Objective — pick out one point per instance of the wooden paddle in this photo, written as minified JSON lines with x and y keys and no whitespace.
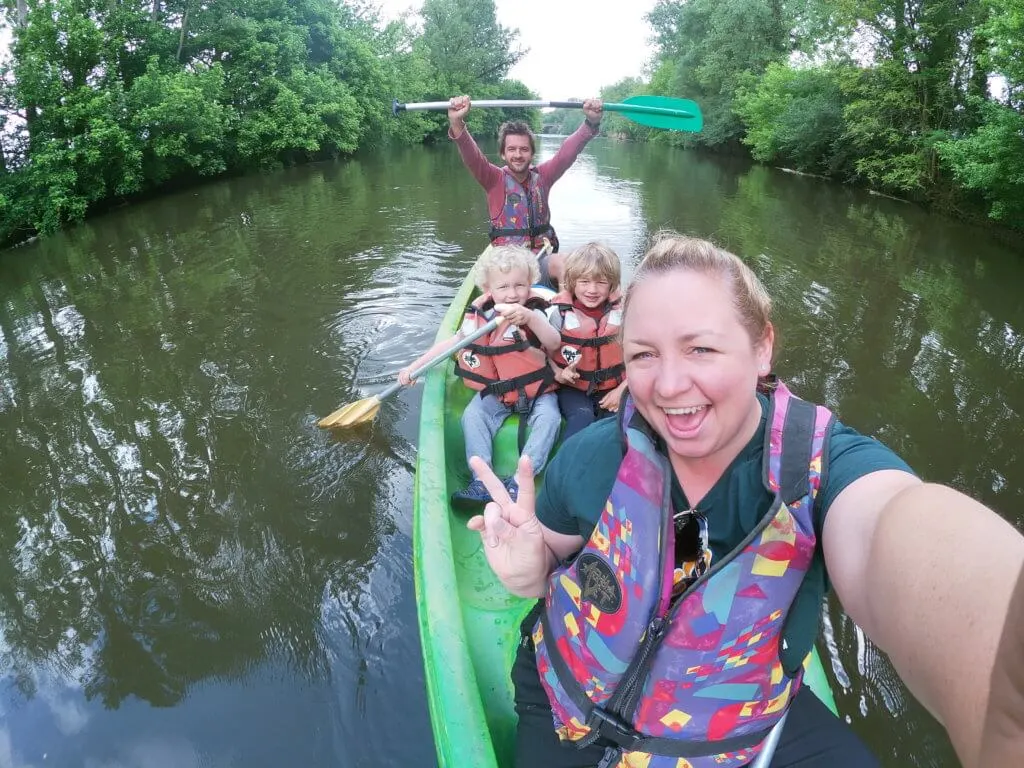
{"x":365,"y":409}
{"x":665,"y":112}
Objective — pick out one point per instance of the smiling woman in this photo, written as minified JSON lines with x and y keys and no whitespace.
{"x":787,"y":500}
{"x":691,"y":379}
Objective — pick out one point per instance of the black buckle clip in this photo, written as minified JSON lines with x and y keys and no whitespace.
{"x":523,"y":404}
{"x":611,"y":728}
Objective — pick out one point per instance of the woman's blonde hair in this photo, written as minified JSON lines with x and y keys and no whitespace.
{"x":672,"y":252}
{"x":505,"y":258}
{"x":592,"y":259}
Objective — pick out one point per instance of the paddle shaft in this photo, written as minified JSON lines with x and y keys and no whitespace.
{"x":764,"y":757}
{"x":442,"y":106}
{"x":483,"y":330}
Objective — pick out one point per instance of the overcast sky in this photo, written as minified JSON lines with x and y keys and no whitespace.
{"x":576,"y":46}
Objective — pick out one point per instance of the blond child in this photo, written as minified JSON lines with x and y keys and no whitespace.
{"x":509,"y":366}
{"x":588,"y":356}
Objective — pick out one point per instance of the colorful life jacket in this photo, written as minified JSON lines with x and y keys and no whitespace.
{"x":524,"y":219}
{"x":505,"y":363}
{"x":593,"y":343}
{"x":693,"y":681}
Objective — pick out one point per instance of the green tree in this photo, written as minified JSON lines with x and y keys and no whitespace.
{"x":110,"y":98}
{"x":704,"y":47}
{"x":184,"y":121}
{"x":1003,"y":30}
{"x":914,"y":94}
{"x":465,"y":45}
{"x":616,"y":124}
{"x":467,"y":51}
{"x":794,"y":116}
{"x":990,"y":161}
{"x":903,"y":105}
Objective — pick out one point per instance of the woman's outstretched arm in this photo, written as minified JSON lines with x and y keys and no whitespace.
{"x":928,"y":574}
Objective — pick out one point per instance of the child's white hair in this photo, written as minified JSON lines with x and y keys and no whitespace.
{"x":503,"y":259}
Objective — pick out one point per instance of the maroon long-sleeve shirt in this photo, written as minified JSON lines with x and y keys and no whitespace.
{"x":491,"y":177}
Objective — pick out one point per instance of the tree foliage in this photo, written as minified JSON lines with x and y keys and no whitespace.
{"x":795,"y":116}
{"x":111,"y":98}
{"x":990,"y":161}
{"x":706,"y":46}
{"x":106,"y":99}
{"x":919,"y":98}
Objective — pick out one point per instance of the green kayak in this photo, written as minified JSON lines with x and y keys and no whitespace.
{"x":469,"y":623}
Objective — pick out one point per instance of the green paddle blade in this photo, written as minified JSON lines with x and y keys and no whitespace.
{"x":664,"y":112}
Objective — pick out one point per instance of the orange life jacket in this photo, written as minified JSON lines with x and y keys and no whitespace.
{"x":594,"y":343}
{"x":507,"y":363}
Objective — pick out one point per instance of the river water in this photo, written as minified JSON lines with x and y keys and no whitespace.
{"x":192,"y":574}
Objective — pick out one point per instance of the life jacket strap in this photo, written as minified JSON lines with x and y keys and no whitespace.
{"x":535,"y":231}
{"x":524,"y":403}
{"x":603,"y":374}
{"x":593,"y":378}
{"x":472,"y":376}
{"x":610,"y":729}
{"x":535,"y":234}
{"x":596,"y":341}
{"x":499,"y":388}
{"x":493,"y":350}
{"x":610,"y":758}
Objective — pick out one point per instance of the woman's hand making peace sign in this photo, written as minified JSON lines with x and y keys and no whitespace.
{"x":512,"y":536}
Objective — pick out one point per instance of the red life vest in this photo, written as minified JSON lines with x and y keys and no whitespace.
{"x":594,"y":343}
{"x":524,"y":219}
{"x":506,"y":363}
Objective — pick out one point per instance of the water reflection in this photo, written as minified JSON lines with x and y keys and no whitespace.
{"x":176,"y":529}
{"x":192,"y":574}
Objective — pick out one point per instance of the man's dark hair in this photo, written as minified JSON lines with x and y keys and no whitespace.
{"x":515,"y":128}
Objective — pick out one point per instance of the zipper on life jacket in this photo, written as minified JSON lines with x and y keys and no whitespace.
{"x":628,"y":707}
{"x":629,"y":687}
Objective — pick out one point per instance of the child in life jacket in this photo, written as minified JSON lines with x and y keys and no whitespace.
{"x":508,"y":367}
{"x":588,"y":357}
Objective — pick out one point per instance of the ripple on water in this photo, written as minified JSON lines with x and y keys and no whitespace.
{"x":838,"y":669}
{"x":363,"y":639}
{"x":394,"y":316}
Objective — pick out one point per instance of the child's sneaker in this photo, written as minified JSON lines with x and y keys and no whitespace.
{"x":512,"y":487}
{"x":474,"y":494}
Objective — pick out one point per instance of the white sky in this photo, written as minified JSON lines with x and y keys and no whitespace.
{"x":576,"y":46}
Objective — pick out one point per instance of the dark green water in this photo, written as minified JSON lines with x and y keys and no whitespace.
{"x":192,"y":574}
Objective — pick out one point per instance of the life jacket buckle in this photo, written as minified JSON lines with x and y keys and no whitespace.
{"x":612,"y":728}
{"x":610,"y":758}
{"x":523,"y":404}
